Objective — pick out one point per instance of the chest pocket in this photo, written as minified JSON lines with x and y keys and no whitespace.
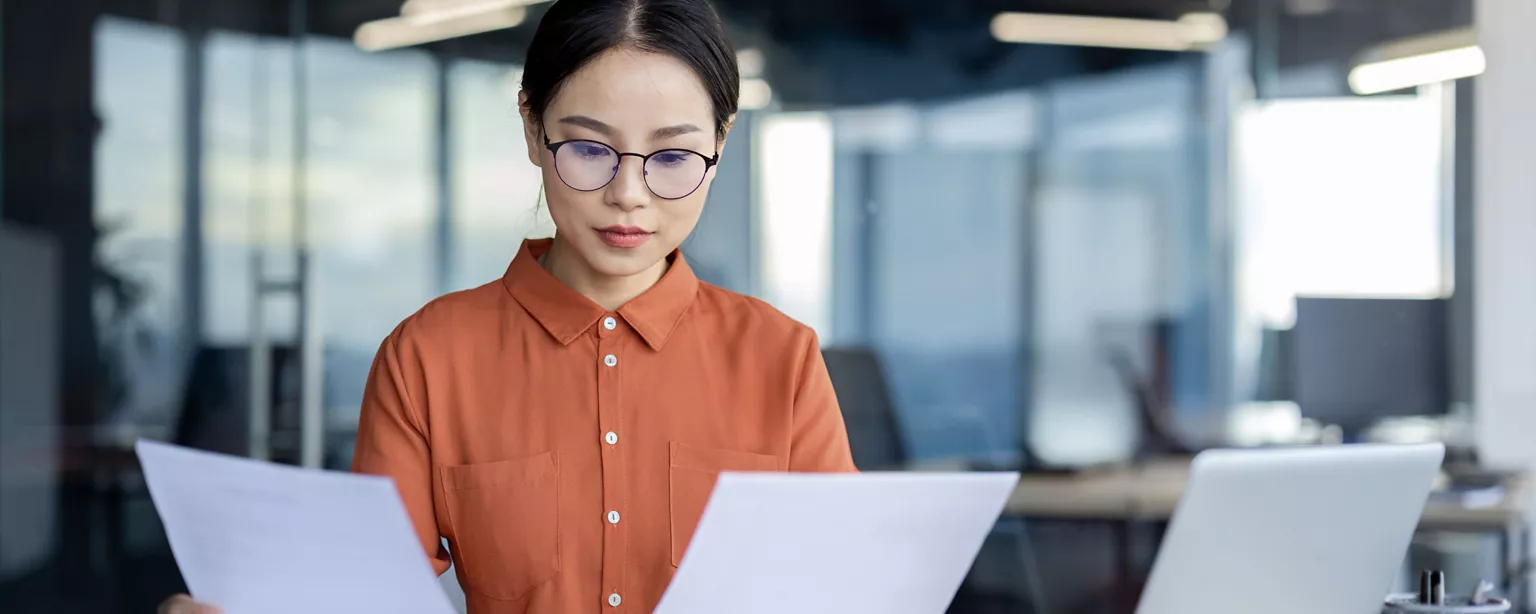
{"x":505,"y":519}
{"x":692,"y":478}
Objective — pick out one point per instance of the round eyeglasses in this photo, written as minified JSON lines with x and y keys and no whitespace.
{"x":588,"y":166}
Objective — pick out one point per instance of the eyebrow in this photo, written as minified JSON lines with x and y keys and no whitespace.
{"x":606,"y":130}
{"x":671,"y":131}
{"x":588,"y":123}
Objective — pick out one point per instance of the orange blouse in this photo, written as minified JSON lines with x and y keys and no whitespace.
{"x":565,"y":451}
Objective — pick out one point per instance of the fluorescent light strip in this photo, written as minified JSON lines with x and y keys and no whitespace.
{"x":1415,"y":70}
{"x":414,"y":8}
{"x":1192,"y":32}
{"x":457,"y":10}
{"x":434,"y":20}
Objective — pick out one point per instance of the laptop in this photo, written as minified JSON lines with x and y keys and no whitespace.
{"x":1321,"y":530}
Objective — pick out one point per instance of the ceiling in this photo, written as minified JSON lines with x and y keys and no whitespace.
{"x":789,"y":18}
{"x":860,"y":51}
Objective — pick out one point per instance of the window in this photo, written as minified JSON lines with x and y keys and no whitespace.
{"x":139,"y":189}
{"x":794,"y":157}
{"x":932,"y":229}
{"x":1340,"y":197}
{"x":1122,"y":281}
{"x":248,"y":207}
{"x":1336,"y":197}
{"x":370,"y":205}
{"x":496,"y":190}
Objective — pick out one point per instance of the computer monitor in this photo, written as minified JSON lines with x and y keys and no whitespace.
{"x":1277,"y":376}
{"x":1356,"y":361}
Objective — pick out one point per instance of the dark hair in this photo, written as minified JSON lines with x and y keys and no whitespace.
{"x":573,"y":32}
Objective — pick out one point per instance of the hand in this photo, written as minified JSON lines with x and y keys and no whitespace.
{"x":182,"y":604}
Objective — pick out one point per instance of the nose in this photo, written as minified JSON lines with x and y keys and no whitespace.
{"x":628,"y":191}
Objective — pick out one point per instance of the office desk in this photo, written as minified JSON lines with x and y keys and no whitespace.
{"x":1148,"y":493}
{"x":1152,"y":490}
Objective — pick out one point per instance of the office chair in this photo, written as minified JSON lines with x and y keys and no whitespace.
{"x":874,"y":430}
{"x":1150,"y":390}
{"x":875,"y":438}
{"x":215,"y":408}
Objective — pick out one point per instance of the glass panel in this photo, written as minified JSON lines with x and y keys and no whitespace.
{"x":139,"y":196}
{"x":248,"y":185}
{"x":248,"y":213}
{"x":496,"y":197}
{"x":950,"y":298}
{"x":931,"y":230}
{"x":1122,"y":288}
{"x":370,"y":210}
{"x":368,"y":216}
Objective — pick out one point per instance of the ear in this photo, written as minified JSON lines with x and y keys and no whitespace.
{"x":533,"y":133}
{"x":725,"y":133}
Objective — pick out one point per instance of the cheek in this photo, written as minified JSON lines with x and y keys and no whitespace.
{"x":683,"y":215}
{"x":565,"y":205}
{"x":689,"y":209}
{"x":562,"y":211}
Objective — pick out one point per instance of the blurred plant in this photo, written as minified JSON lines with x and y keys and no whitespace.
{"x":117,"y":300}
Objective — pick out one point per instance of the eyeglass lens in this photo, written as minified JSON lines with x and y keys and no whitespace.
{"x":589,"y":165}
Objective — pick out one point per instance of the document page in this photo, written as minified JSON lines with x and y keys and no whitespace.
{"x":259,"y":538}
{"x":837,"y":544}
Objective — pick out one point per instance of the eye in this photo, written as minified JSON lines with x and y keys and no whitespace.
{"x":672,"y":158}
{"x":590,"y":151}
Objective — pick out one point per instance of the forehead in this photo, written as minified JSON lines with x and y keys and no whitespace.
{"x":635,"y":92}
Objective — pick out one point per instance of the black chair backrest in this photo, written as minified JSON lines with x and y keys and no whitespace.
{"x":215,"y":408}
{"x":874,"y":429}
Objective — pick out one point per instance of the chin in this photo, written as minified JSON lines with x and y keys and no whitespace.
{"x":609,"y":262}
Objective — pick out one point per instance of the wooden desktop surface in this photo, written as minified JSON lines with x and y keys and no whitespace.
{"x":1151,"y":491}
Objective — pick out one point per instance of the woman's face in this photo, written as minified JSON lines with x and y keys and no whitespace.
{"x":633,"y":102}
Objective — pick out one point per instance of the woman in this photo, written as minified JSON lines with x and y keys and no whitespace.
{"x":562,"y":427}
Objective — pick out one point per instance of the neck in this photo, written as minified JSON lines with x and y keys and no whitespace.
{"x":609,"y":291}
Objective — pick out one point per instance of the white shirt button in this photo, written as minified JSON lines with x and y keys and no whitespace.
{"x":608,"y":323}
{"x":610,"y":360}
{"x":613,"y":517}
{"x":612,"y":438}
{"x":614,"y":600}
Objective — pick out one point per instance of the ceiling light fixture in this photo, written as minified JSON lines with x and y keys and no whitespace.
{"x":426,"y":21}
{"x":756,"y":94}
{"x":1192,"y":32}
{"x":750,"y":62}
{"x":1421,"y":60}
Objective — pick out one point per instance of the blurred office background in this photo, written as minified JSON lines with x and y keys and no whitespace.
{"x":1025,"y":243}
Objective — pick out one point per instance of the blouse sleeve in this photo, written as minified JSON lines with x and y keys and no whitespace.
{"x":820,"y":440}
{"x":392,"y":442}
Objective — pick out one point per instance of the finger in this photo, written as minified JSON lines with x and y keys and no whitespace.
{"x":179,"y":604}
{"x":183,"y":604}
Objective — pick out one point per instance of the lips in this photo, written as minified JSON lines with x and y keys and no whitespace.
{"x":624,"y":237}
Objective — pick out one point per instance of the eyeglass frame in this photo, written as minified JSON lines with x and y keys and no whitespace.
{"x":554,"y":152}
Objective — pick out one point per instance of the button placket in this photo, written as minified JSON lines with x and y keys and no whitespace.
{"x":609,"y":423}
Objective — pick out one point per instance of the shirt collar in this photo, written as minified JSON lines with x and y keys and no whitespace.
{"x":565,"y":313}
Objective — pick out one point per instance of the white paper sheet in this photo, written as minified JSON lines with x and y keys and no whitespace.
{"x":836,"y":544}
{"x":260,"y":538}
